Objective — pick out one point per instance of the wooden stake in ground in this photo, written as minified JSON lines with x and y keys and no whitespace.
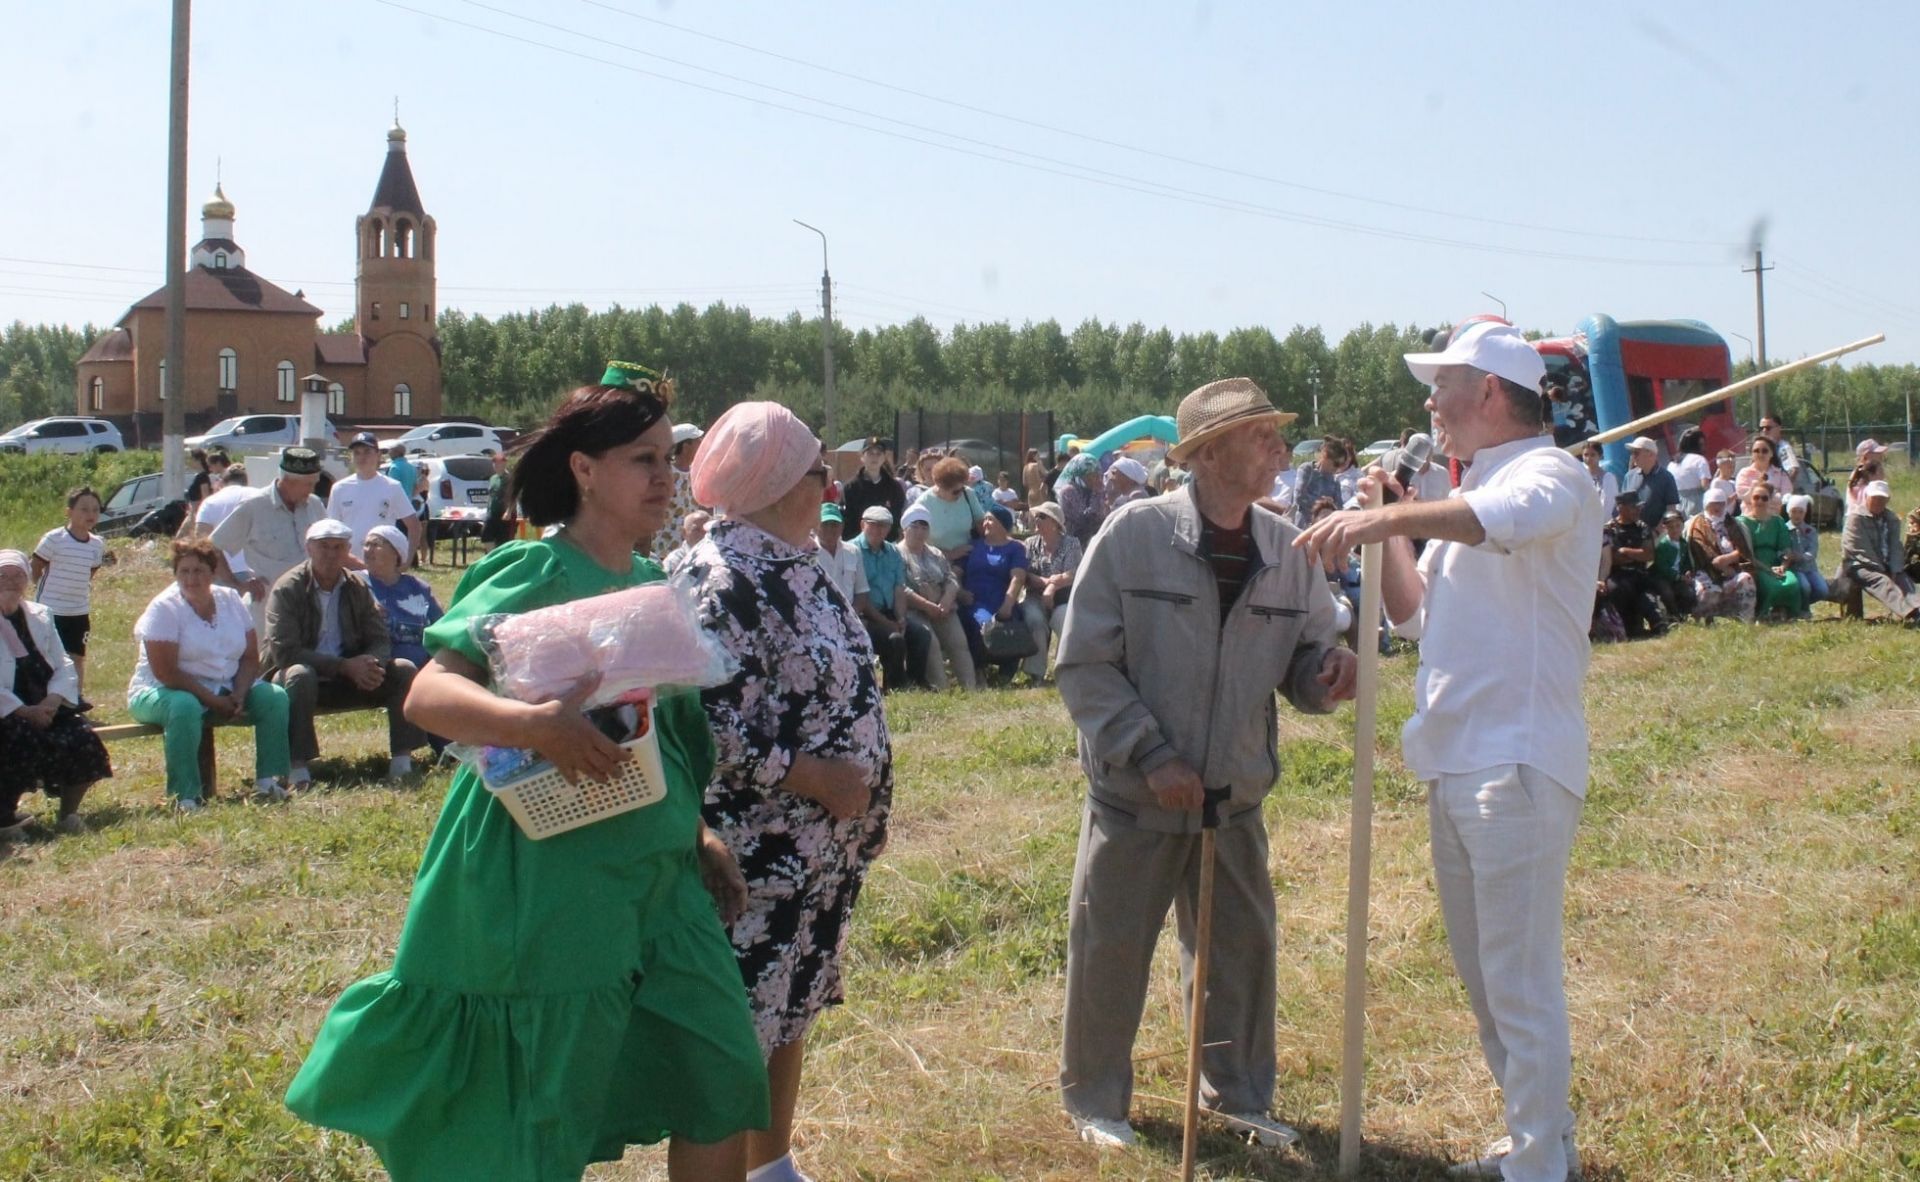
{"x":1353,"y":1061}
{"x":1197,"y":1012}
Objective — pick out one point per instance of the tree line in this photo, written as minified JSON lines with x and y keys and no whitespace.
{"x":512,"y":368}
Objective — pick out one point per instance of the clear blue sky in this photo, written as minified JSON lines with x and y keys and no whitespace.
{"x":1642,"y":143}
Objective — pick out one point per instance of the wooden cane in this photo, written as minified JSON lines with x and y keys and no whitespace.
{"x":1360,"y":865}
{"x":1666,"y":413}
{"x":1211,"y":801}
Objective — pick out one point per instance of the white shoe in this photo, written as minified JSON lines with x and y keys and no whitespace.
{"x":1487,"y":1165}
{"x":1258,"y":1127}
{"x":189,"y":805}
{"x":268,"y":792}
{"x":1104,"y":1134}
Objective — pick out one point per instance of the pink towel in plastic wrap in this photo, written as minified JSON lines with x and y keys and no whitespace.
{"x":642,"y":637}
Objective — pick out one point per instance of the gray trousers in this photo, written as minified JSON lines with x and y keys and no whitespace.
{"x":1124,"y":879}
{"x":307,"y":690}
{"x":1892,"y":590}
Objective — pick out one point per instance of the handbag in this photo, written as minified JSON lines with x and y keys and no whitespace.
{"x":1008,"y":640}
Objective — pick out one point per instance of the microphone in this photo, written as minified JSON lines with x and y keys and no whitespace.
{"x":1410,"y":459}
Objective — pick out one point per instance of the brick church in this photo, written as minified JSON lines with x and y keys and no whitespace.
{"x":249,"y":342}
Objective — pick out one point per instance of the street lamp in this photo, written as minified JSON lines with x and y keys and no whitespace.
{"x":1749,"y":340}
{"x":1496,"y":299}
{"x":826,"y":333}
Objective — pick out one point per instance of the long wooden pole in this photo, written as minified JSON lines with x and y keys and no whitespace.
{"x":1667,"y":413}
{"x":1353,"y":1062}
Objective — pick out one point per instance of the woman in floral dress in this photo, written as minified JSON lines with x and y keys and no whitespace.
{"x":803,"y":778}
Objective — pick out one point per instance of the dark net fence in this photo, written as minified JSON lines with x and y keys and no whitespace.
{"x":996,"y":442}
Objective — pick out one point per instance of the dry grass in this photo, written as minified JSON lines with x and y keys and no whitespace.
{"x":1744,"y":944}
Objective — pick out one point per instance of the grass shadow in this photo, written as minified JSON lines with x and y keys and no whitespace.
{"x":1224,"y":1155}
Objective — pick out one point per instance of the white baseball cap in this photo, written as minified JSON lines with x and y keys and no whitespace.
{"x":1869,"y":447}
{"x":1487,"y":346}
{"x":684,"y":432}
{"x":1130,"y":468}
{"x":1642,"y":443}
{"x":1717,"y":495}
{"x":1878,"y":488}
{"x":916,"y":515}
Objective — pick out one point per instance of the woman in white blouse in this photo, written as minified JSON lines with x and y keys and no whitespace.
{"x":200,"y":657}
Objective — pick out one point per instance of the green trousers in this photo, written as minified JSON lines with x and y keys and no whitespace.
{"x":181,"y":715}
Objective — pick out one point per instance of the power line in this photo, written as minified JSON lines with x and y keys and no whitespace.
{"x":1034,"y":161}
{"x":1846,"y":289}
{"x":1144,"y":151}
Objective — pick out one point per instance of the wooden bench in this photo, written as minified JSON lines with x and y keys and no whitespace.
{"x":142,"y":730}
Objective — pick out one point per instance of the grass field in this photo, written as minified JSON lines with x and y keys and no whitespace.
{"x":1743,"y":938}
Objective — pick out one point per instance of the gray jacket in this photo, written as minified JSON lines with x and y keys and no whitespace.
{"x":1149,"y":673}
{"x":1871,"y":541}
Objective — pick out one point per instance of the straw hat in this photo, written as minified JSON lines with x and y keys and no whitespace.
{"x":1219,"y":407}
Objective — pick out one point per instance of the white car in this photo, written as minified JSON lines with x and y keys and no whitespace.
{"x":256,"y":434}
{"x":76,"y":436}
{"x":457,"y":487}
{"x":451,"y":439}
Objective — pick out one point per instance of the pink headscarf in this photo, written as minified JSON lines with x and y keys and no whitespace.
{"x":751,"y":457}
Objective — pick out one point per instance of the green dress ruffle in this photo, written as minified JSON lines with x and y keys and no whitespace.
{"x":553,"y":1001}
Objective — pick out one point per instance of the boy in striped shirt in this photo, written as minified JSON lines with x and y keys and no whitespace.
{"x":63,"y":566}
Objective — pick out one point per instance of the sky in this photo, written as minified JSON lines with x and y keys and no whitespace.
{"x":1194,"y":165}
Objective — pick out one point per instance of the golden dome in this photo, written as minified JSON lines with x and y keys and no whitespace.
{"x":219,"y":207}
{"x":397,"y":134}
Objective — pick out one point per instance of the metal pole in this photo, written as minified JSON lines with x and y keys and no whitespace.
{"x":1496,"y":299}
{"x":1353,"y":1061}
{"x":826,"y":335}
{"x":1760,"y":325}
{"x":173,"y":414}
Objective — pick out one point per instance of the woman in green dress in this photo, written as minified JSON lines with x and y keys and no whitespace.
{"x":553,"y":1001}
{"x":1772,"y":552}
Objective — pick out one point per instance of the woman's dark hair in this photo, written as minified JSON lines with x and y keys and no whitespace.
{"x":198,"y":456}
{"x":199,"y":548}
{"x":1693,"y":442}
{"x":593,"y":420}
{"x":1003,"y":515}
{"x":1773,"y":453}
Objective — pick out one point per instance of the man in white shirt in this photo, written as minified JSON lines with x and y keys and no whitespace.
{"x":1500,"y":601}
{"x":366,"y":498}
{"x":219,"y":506}
{"x":270,"y":529}
{"x":842,"y":562}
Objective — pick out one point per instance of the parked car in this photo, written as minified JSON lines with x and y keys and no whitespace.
{"x":1305,"y":453}
{"x":452,"y":439}
{"x":131,"y":500}
{"x":983,"y":455}
{"x":1375,"y":450}
{"x":74,"y":436}
{"x":457,"y":483}
{"x":256,"y":434}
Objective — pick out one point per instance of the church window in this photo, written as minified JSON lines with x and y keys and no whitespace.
{"x":403,"y":400}
{"x":99,"y":389}
{"x":405,"y":310}
{"x":336,"y":399}
{"x":163,"y":379}
{"x":376,"y":310}
{"x":229,"y":370}
{"x":403,"y":240}
{"x":219,"y":260}
{"x":288,"y":386}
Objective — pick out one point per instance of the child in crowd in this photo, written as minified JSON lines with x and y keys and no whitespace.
{"x":1805,"y":563}
{"x":1723,"y":474}
{"x":64,"y":563}
{"x":1673,"y":567}
{"x":1004,"y":493}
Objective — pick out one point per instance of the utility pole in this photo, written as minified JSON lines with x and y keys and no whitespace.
{"x":1760,"y":332}
{"x":826,"y":335}
{"x":173,"y":387}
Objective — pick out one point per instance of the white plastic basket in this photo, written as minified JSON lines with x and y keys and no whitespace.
{"x":544,"y":804}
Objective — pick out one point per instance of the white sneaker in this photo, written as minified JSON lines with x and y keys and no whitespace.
{"x":1104,"y":1134}
{"x":269,"y":792}
{"x":1487,"y":1165}
{"x":189,"y":805}
{"x":1259,"y":1128}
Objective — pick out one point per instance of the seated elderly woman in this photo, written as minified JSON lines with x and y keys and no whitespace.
{"x":1723,"y":563}
{"x":1053,"y":555}
{"x":47,"y":745}
{"x":933,"y":598}
{"x":405,"y":600}
{"x":993,"y":583}
{"x":1772,"y":541}
{"x":199,"y":658}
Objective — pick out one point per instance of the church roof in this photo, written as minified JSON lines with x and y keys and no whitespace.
{"x":340,"y":348}
{"x":116,"y":344}
{"x":396,"y":190}
{"x":234,"y":289}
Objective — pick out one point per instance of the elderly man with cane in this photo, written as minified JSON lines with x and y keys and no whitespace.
{"x":1500,"y":601}
{"x":1188,"y":612}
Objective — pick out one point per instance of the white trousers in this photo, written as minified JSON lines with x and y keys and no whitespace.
{"x":1501,"y":839}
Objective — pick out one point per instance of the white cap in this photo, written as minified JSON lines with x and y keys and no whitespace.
{"x":1717,"y":495}
{"x":879,"y":513}
{"x":328,"y":527}
{"x":975,"y":473}
{"x":1130,"y":468}
{"x":394,"y":538}
{"x":1642,"y":443}
{"x":1487,"y":346}
{"x":1878,"y":488}
{"x":683,"y":432}
{"x":916,"y":514}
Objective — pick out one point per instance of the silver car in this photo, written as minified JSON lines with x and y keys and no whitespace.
{"x":73,"y":436}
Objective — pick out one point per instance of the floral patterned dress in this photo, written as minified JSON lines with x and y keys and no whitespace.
{"x":806,"y":686}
